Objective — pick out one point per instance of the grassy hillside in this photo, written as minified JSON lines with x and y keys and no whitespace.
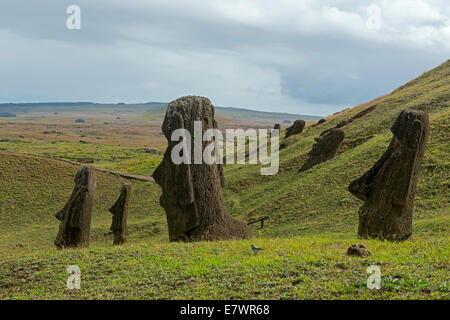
{"x":317,"y":200}
{"x":33,"y":189}
{"x":313,"y":219}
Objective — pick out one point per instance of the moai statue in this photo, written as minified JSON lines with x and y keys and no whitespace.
{"x":325,"y":148}
{"x":389,"y":187}
{"x":319,"y":123}
{"x":192,"y":193}
{"x":76,"y":215}
{"x":296,"y":128}
{"x":119,"y":211}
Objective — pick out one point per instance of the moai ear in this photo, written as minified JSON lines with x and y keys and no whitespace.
{"x":415,"y":134}
{"x":183,"y":175}
{"x":406,"y":170}
{"x":185,"y":187}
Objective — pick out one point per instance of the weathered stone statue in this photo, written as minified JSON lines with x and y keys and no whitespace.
{"x":76,"y":215}
{"x":296,"y":128}
{"x":319,"y":122}
{"x":119,"y":211}
{"x":192,"y":193}
{"x":326,"y":148}
{"x":389,"y":188}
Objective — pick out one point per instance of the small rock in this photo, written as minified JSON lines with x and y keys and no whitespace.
{"x":358,"y":250}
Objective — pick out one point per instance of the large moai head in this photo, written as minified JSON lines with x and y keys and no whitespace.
{"x":75,"y":217}
{"x":192,"y":190}
{"x":296,"y":128}
{"x":389,"y":187}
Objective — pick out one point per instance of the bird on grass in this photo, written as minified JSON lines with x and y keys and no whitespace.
{"x":256,"y":249}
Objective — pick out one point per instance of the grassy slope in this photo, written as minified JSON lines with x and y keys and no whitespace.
{"x":313,"y":221}
{"x":317,"y":200}
{"x":34,"y":189}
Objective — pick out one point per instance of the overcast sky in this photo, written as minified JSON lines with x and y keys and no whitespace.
{"x":308,"y":57}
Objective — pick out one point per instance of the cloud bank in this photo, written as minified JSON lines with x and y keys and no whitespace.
{"x":309,"y":57}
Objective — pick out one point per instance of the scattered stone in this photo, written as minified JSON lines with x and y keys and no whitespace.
{"x":120,"y":215}
{"x":319,"y":123}
{"x":389,"y":187}
{"x":192,"y":194}
{"x":148,"y":150}
{"x":326,"y":148}
{"x":76,"y":215}
{"x":287,"y":143}
{"x":86,"y":160}
{"x":356,"y":116}
{"x":358,"y":250}
{"x":296,"y":128}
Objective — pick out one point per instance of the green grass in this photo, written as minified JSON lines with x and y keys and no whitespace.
{"x":313,"y":219}
{"x":294,"y":268}
{"x":115,"y":157}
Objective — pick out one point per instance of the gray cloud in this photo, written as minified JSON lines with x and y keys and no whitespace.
{"x":296,"y":56}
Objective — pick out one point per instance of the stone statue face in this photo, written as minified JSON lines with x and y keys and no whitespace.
{"x":389,"y":187}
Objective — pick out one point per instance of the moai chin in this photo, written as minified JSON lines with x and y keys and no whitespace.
{"x":119,"y":211}
{"x":389,"y":187}
{"x":76,"y":215}
{"x":192,"y":193}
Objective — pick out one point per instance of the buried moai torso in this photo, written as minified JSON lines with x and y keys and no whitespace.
{"x":76,"y":215}
{"x":192,"y":193}
{"x":325,"y":148}
{"x":389,"y":188}
{"x":119,"y":211}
